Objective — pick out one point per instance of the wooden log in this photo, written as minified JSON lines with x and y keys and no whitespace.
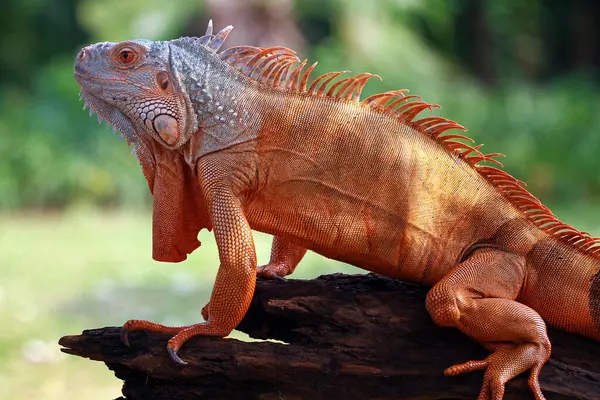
{"x":346,"y":337}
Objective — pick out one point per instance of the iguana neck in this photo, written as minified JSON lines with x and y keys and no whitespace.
{"x":222,"y":101}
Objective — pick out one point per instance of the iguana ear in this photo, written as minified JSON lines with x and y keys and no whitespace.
{"x":179,"y":210}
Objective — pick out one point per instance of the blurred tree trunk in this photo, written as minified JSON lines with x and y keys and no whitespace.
{"x":473,"y":29}
{"x":584,"y":22}
{"x":571,"y":36}
{"x":261,"y":23}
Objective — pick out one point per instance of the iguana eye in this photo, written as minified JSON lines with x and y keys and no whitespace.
{"x":126,"y":56}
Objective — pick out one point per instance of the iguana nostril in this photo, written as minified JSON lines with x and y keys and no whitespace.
{"x":82,"y":54}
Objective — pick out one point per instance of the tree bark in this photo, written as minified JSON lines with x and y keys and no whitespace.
{"x":346,"y":337}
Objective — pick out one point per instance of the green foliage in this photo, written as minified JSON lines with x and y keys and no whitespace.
{"x":116,"y":20}
{"x":549,"y":134}
{"x":53,"y":156}
{"x":32,"y":32}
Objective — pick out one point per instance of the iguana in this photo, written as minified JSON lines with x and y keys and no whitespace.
{"x":238,"y":139}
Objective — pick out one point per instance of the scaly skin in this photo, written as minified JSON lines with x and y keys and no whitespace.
{"x":237,"y":140}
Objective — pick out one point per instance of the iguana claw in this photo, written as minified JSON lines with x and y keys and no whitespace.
{"x":175,"y":357}
{"x":275,"y":276}
{"x":268,"y":274}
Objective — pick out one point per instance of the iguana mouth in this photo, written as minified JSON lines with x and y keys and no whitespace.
{"x":91,"y":94}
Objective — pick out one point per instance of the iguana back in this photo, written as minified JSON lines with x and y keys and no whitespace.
{"x":354,"y":184}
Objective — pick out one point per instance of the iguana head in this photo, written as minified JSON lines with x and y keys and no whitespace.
{"x":136,"y":85}
{"x":132,"y":85}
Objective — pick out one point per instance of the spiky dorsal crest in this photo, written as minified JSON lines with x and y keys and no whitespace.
{"x":274,"y":67}
{"x":214,"y":42}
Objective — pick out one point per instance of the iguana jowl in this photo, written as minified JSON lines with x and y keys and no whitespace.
{"x":239,"y":140}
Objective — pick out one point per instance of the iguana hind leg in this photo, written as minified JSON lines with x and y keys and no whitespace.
{"x":285,"y":256}
{"x":477,"y":297}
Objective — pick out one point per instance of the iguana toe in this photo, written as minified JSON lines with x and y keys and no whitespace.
{"x":463,"y":368}
{"x":272,"y":271}
{"x":142,"y":325}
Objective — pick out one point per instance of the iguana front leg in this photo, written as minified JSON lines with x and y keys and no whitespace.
{"x":236,"y":279}
{"x":285,"y":257}
{"x":477,"y":297}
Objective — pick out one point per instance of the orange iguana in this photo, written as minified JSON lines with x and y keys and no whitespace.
{"x":239,"y":140}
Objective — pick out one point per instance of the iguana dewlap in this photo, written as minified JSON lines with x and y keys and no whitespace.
{"x":243,"y":139}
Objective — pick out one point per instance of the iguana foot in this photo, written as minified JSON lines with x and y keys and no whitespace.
{"x":504,"y":364}
{"x":274,"y":271}
{"x":182,"y":334}
{"x":285,"y":256}
{"x":141,"y":325}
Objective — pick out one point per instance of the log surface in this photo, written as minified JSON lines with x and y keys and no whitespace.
{"x":346,"y":337}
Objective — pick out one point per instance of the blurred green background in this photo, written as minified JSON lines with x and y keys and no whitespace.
{"x":75,"y":231}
